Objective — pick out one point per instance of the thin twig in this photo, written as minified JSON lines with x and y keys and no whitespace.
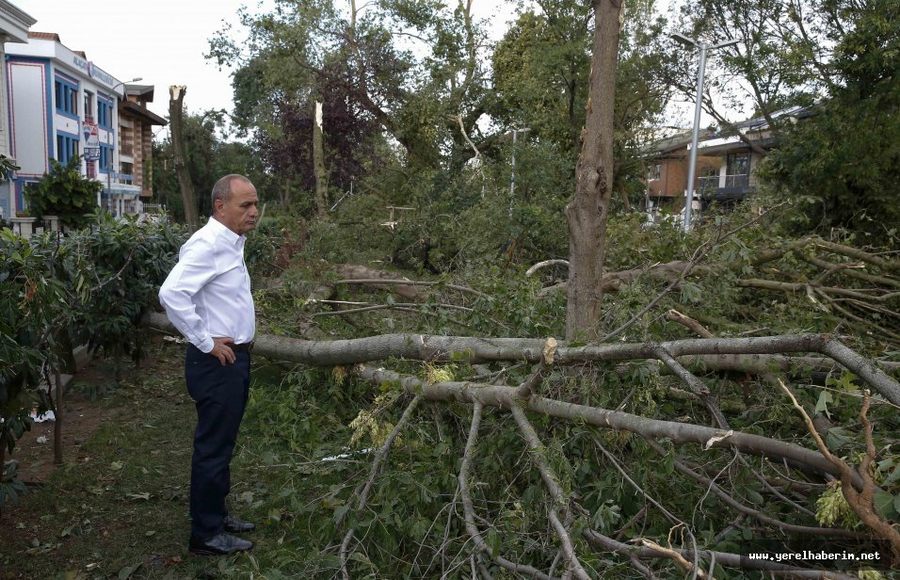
{"x":538,"y":456}
{"x":373,"y":473}
{"x":469,"y":510}
{"x":672,"y":517}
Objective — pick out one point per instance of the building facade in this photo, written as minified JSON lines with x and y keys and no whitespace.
{"x":136,"y":138}
{"x":62,"y":105}
{"x":727,"y":163}
{"x":14,"y":25}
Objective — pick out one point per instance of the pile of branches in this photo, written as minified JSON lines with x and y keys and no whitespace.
{"x":859,"y":287}
{"x":802,"y":468}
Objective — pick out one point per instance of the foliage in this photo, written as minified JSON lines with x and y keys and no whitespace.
{"x":64,"y":192}
{"x":90,"y":287}
{"x":843,"y":162}
{"x":113,"y":272}
{"x":541,"y":69}
{"x":32,"y":306}
{"x":208,"y":157}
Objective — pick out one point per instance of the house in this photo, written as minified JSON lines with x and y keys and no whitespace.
{"x":136,"y":140}
{"x":61,"y":105}
{"x":14,"y":25}
{"x":667,"y":174}
{"x":726,"y":162}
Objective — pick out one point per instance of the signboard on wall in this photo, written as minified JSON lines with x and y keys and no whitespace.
{"x":93,"y":71}
{"x":91,"y":140}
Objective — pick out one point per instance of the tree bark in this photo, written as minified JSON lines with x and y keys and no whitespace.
{"x":476,"y":349}
{"x":588,"y":211}
{"x":506,"y":398}
{"x":319,"y":164}
{"x":188,"y":198}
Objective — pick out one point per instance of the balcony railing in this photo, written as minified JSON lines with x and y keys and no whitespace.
{"x":707,"y":184}
{"x":737,"y":180}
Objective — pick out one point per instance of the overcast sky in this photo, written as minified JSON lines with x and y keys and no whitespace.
{"x":162,"y":41}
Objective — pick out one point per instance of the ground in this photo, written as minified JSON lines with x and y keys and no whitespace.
{"x":117,"y":506}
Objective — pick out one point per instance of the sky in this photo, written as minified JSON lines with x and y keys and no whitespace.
{"x":161,"y":41}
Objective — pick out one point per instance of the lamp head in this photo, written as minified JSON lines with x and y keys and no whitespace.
{"x":684,"y":39}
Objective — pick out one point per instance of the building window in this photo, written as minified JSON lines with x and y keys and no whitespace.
{"x":104,"y":113}
{"x":88,"y":106}
{"x":655,"y":172}
{"x":66,"y":148}
{"x":105,"y":158}
{"x":66,"y":98}
{"x":738,"y":170}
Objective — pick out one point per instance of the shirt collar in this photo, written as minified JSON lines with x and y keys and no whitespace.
{"x":222,"y":230}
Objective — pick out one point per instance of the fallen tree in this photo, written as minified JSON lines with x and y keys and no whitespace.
{"x":526,"y":400}
{"x":475,"y":350}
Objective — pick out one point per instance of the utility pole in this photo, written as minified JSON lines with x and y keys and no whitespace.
{"x":701,"y":70}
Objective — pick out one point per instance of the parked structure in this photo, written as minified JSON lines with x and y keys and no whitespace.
{"x":62,"y":105}
{"x":726,"y":163}
{"x":14,"y":25}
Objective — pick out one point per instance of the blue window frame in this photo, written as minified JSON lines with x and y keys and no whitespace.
{"x":66,"y":97}
{"x":104,"y":112}
{"x":105,"y":158}
{"x":66,"y":147}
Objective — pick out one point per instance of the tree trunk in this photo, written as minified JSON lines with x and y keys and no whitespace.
{"x":436,"y":348}
{"x":319,"y":164}
{"x":587,"y":212}
{"x":176,"y":112}
{"x":58,"y":423}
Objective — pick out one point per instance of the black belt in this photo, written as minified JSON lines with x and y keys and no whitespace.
{"x":248,"y":346}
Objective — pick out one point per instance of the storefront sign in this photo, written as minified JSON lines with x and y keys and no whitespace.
{"x":93,"y":71}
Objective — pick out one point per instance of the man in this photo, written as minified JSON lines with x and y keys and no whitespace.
{"x":207,"y":297}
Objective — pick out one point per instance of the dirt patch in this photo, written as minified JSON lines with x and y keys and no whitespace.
{"x":85,"y":409}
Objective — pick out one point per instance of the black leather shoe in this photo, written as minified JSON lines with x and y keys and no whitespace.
{"x":219,"y":545}
{"x":236,"y":525}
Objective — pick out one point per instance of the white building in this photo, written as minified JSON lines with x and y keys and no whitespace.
{"x":14,"y":25}
{"x":62,"y":105}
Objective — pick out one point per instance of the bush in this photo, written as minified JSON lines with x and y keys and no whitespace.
{"x":64,"y":192}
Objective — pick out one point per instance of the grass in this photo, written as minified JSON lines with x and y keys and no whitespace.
{"x":121,"y":509}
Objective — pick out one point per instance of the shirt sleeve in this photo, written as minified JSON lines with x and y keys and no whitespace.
{"x":195,"y":268}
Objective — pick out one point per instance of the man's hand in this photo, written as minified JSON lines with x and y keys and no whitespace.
{"x":222,"y":351}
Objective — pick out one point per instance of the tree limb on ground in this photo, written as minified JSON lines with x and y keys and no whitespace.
{"x":475,"y":349}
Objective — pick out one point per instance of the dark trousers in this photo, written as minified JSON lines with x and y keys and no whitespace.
{"x":220,"y":394}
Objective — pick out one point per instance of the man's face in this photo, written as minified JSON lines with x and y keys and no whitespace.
{"x":239,"y":212}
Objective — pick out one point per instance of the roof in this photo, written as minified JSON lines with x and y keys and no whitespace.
{"x":676,"y":142}
{"x":54,"y":37}
{"x":143,"y":112}
{"x":145,"y":91}
{"x":44,"y":36}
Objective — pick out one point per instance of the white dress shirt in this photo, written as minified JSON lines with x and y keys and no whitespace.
{"x":207,"y":293}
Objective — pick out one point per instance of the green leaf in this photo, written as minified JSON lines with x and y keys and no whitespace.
{"x":127,"y":571}
{"x":822,"y":404}
{"x":340,"y":512}
{"x":493,"y":542}
{"x":885,"y":504}
{"x":754,"y":497}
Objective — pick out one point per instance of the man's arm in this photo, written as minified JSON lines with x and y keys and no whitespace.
{"x":195,"y":268}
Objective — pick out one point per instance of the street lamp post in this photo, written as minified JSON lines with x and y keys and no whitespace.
{"x":109,"y":162}
{"x":701,"y":68}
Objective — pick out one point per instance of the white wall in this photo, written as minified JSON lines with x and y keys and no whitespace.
{"x":29,"y":117}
